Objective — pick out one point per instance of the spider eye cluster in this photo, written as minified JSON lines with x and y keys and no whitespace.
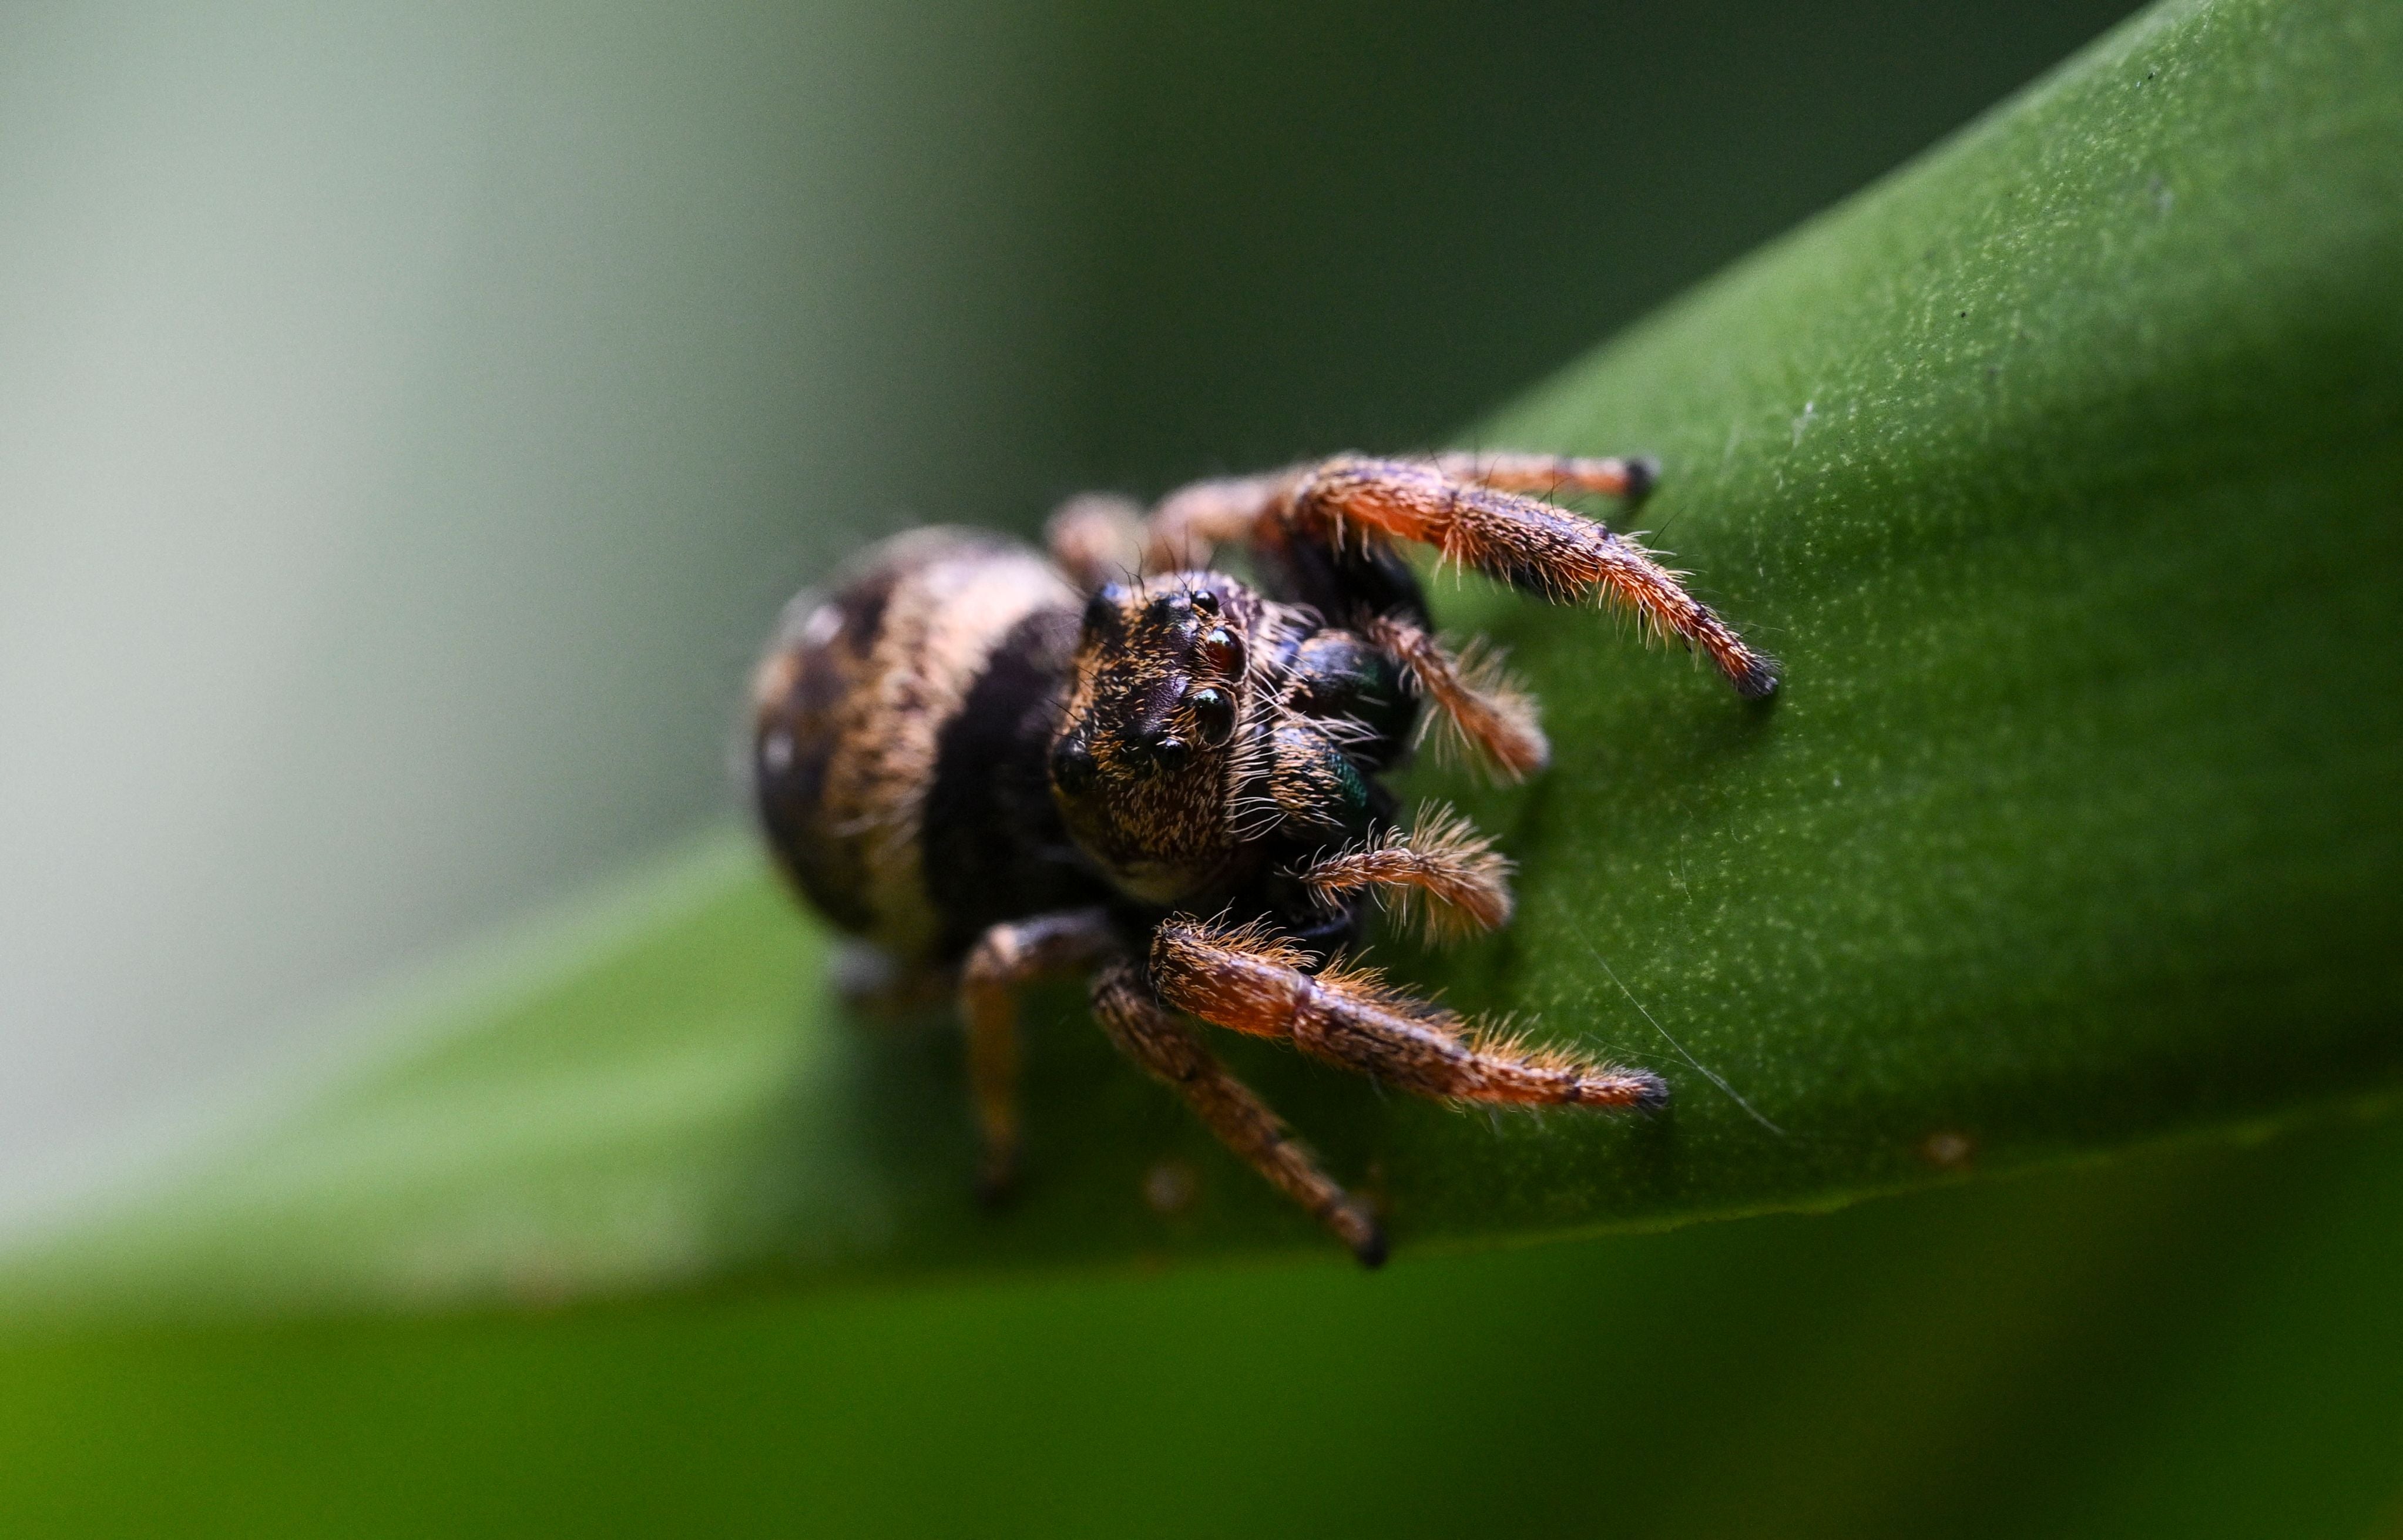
{"x":1168,"y":660}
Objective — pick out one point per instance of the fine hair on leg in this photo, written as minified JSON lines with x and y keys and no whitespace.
{"x":1524,"y":542}
{"x":1173,"y":1054}
{"x":1440,"y":874}
{"x":1248,"y":980}
{"x":1549,"y":475}
{"x":1472,"y":693}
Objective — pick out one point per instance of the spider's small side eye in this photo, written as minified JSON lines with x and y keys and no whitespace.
{"x":1072,"y":766}
{"x":1205,"y":600}
{"x":1172,"y":753}
{"x":1214,"y":715}
{"x":1102,"y":610}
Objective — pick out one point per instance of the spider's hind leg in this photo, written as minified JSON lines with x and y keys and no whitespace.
{"x":1097,"y":538}
{"x":1004,"y":957}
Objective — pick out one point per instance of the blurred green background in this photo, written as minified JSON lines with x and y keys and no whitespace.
{"x":409,"y":426}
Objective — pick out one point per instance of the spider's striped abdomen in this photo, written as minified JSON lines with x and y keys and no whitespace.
{"x":900,"y":731}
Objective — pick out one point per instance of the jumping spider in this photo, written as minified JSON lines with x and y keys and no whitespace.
{"x":994,"y":767}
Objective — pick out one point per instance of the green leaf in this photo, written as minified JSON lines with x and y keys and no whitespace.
{"x":2194,"y":1343}
{"x":2063,"y":471}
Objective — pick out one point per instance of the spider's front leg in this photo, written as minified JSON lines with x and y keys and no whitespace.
{"x":1173,"y":1053}
{"x":1191,"y":522}
{"x":1478,"y":512}
{"x":1004,"y":957}
{"x":1631,"y":478}
{"x":1523,"y":541}
{"x":1250,"y":980}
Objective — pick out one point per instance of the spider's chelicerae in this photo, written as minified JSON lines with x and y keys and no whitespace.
{"x":994,"y":767}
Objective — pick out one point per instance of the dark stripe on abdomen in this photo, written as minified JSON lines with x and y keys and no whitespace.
{"x":993,"y":844}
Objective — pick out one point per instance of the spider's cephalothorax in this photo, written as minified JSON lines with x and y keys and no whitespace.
{"x":1147,"y":756}
{"x":993,"y":767}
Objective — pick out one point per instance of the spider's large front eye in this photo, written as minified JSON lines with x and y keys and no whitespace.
{"x":1214,"y":715}
{"x":1223,"y":650}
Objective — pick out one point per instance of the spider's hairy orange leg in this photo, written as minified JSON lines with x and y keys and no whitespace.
{"x":1003,"y":958}
{"x":1545,"y":475}
{"x":1251,"y":981}
{"x":1097,"y":538}
{"x":1523,"y":541}
{"x":1440,"y":872}
{"x":1485,"y":511}
{"x":1192,"y":522}
{"x":1173,"y":1053}
{"x":1473,"y":691}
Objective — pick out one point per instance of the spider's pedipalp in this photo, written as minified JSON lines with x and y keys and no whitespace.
{"x":1174,"y":1053}
{"x":1441,"y":873}
{"x":1353,"y":1019}
{"x":1472,"y":693}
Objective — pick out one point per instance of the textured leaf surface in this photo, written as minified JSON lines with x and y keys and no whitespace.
{"x":2063,"y":471}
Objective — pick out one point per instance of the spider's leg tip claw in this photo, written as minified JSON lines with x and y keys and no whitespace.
{"x":1643,"y":475}
{"x":1761,"y":682}
{"x":1370,"y":1248}
{"x":1653,"y":1094}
